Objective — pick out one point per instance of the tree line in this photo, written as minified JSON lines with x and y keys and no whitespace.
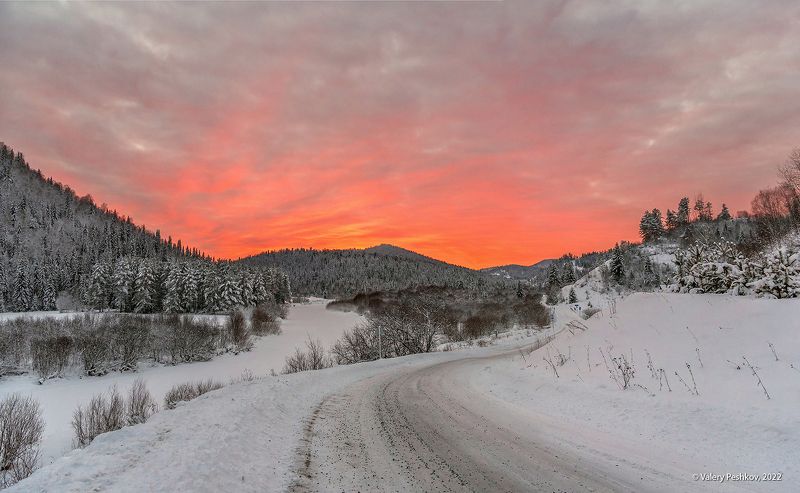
{"x":143,"y":285}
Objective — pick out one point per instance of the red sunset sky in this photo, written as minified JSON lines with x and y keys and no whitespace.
{"x":478,"y":133}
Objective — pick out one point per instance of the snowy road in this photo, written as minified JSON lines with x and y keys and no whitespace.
{"x":428,"y":429}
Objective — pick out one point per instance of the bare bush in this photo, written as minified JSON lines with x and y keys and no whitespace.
{"x":95,"y":349}
{"x":531,"y":313}
{"x":264,"y":321}
{"x":358,"y":344}
{"x":21,"y":428}
{"x":188,"y":339}
{"x":589,"y":313}
{"x":51,"y":354}
{"x":188,"y":391}
{"x":238,"y":332}
{"x":140,"y":404}
{"x":104,"y":413}
{"x":130,"y":340}
{"x":312,"y":359}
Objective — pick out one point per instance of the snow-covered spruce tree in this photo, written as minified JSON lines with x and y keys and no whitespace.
{"x":683,"y":212}
{"x":724,"y":214}
{"x":651,"y":226}
{"x":99,"y":292}
{"x":779,"y":276}
{"x":573,"y":298}
{"x":144,"y":288}
{"x":229,"y":293}
{"x":568,"y":277}
{"x":617,"y":267}
{"x":553,"y":279}
{"x":125,"y":272}
{"x":174,"y":294}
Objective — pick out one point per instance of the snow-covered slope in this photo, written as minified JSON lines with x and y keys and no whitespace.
{"x":60,"y":397}
{"x":730,"y":426}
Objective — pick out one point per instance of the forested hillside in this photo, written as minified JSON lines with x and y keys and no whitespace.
{"x":50,"y":238}
{"x":345,"y":273}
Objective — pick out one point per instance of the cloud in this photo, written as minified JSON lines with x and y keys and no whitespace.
{"x":480,"y":133}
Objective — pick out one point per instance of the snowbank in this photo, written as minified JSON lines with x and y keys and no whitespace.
{"x":730,"y":426}
{"x":60,"y":397}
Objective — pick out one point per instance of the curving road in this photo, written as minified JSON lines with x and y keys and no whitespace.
{"x":427,"y":429}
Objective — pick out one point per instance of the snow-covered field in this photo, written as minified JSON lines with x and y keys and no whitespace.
{"x":730,"y":427}
{"x":60,"y":397}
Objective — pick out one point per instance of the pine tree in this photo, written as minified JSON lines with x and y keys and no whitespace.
{"x":683,"y":211}
{"x":724,"y":214}
{"x":49,"y":296}
{"x":174,"y":293}
{"x":672,"y":220}
{"x":283,"y":292}
{"x":553,"y":280}
{"x":573,"y":298}
{"x":569,"y":273}
{"x":124,"y":279}
{"x":144,"y":288}
{"x":617,"y":266}
{"x":98,"y":292}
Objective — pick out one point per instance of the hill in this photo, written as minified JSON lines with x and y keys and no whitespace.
{"x":520,"y":272}
{"x":345,"y":273}
{"x":50,"y":238}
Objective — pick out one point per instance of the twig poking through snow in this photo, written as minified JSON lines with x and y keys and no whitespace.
{"x":588,"y":363}
{"x":650,"y":365}
{"x":755,"y":374}
{"x":692,"y":375}
{"x":551,"y":366}
{"x":697,"y":350}
{"x":684,"y":383}
{"x":773,"y":350}
{"x":663,"y":374}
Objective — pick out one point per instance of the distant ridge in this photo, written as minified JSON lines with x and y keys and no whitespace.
{"x":520,"y":272}
{"x":347,"y":272}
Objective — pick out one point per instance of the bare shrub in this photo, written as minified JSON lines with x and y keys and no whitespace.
{"x":589,"y":313}
{"x":51,"y":354}
{"x":130,"y":341}
{"x":265,"y":321}
{"x":296,"y":362}
{"x":188,"y":391}
{"x":179,"y":393}
{"x":531,"y":313}
{"x":14,"y":346}
{"x":95,"y":350}
{"x":358,"y":344}
{"x":246,"y":376}
{"x":312,"y":359}
{"x":104,"y":413}
{"x":140,"y":404}
{"x":188,"y":339}
{"x":21,"y":428}
{"x":239,"y":333}
{"x":480,"y":324}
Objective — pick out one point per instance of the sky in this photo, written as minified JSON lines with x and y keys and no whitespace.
{"x":480,"y":133}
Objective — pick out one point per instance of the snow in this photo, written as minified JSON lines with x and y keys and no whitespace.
{"x":60,"y":397}
{"x":245,"y":436}
{"x":729,"y":427}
